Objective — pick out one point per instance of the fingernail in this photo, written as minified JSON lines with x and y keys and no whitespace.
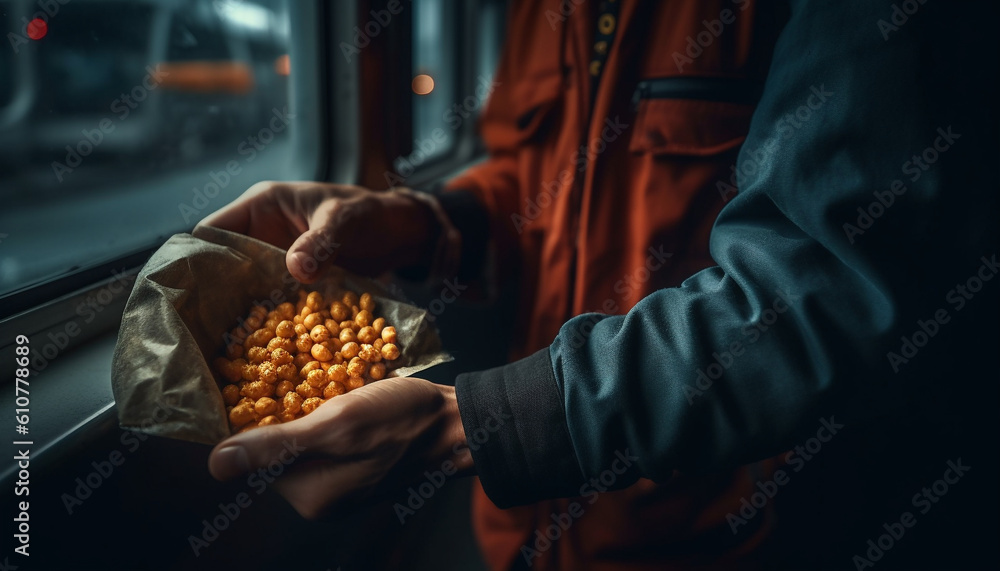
{"x":235,"y":456}
{"x":297,"y":259}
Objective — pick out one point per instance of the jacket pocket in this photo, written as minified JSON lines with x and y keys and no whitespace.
{"x":695,"y":116}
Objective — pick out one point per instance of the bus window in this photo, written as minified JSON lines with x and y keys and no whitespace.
{"x":198,"y":36}
{"x":452,"y":74}
{"x":138,"y":118}
{"x":81,"y":68}
{"x":489,"y":35}
{"x":435,"y":77}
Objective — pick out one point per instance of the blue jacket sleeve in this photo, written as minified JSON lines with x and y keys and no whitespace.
{"x":864,"y":200}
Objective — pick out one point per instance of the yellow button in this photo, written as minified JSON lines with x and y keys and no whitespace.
{"x":606,"y":24}
{"x":601,"y":47}
{"x":595,"y":67}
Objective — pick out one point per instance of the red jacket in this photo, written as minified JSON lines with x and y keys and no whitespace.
{"x":598,"y":201}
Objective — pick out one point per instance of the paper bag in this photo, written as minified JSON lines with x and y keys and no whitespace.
{"x":192,"y":292}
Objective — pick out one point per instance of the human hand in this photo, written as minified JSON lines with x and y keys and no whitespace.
{"x":367,"y":443}
{"x":365,"y":231}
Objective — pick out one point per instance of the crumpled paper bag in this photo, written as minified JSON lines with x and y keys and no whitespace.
{"x":192,"y":292}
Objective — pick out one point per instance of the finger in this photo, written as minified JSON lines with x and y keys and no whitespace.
{"x":259,"y":448}
{"x":234,"y":217}
{"x":317,"y":247}
{"x":237,"y":216}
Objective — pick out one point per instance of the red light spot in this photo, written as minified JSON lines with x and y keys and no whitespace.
{"x":37,"y":29}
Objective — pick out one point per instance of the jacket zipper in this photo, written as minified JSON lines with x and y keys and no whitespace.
{"x":723,"y":89}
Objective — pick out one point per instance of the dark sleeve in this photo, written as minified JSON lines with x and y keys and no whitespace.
{"x":863,"y":202}
{"x":472,"y":221}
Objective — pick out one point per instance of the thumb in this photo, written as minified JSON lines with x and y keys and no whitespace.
{"x":314,"y":250}
{"x":259,"y":448}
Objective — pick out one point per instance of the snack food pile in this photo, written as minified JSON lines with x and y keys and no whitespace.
{"x":284,"y":363}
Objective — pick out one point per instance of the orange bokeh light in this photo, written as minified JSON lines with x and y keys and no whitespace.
{"x":283,"y":65}
{"x":423,"y":84}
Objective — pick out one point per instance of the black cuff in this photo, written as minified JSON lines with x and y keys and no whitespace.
{"x":516,"y":428}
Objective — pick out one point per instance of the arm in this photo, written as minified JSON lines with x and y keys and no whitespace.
{"x":479,"y":203}
{"x":803,"y":312}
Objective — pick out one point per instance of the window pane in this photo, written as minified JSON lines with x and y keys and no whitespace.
{"x":491,"y":20}
{"x":129,"y":121}
{"x":435,"y":69}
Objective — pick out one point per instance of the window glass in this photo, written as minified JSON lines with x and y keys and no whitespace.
{"x":78,"y":75}
{"x":491,"y":18}
{"x":198,"y":35}
{"x":435,"y":77}
{"x":126,"y":121}
{"x":442,"y":107}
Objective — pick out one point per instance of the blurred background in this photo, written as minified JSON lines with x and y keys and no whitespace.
{"x":123,"y":122}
